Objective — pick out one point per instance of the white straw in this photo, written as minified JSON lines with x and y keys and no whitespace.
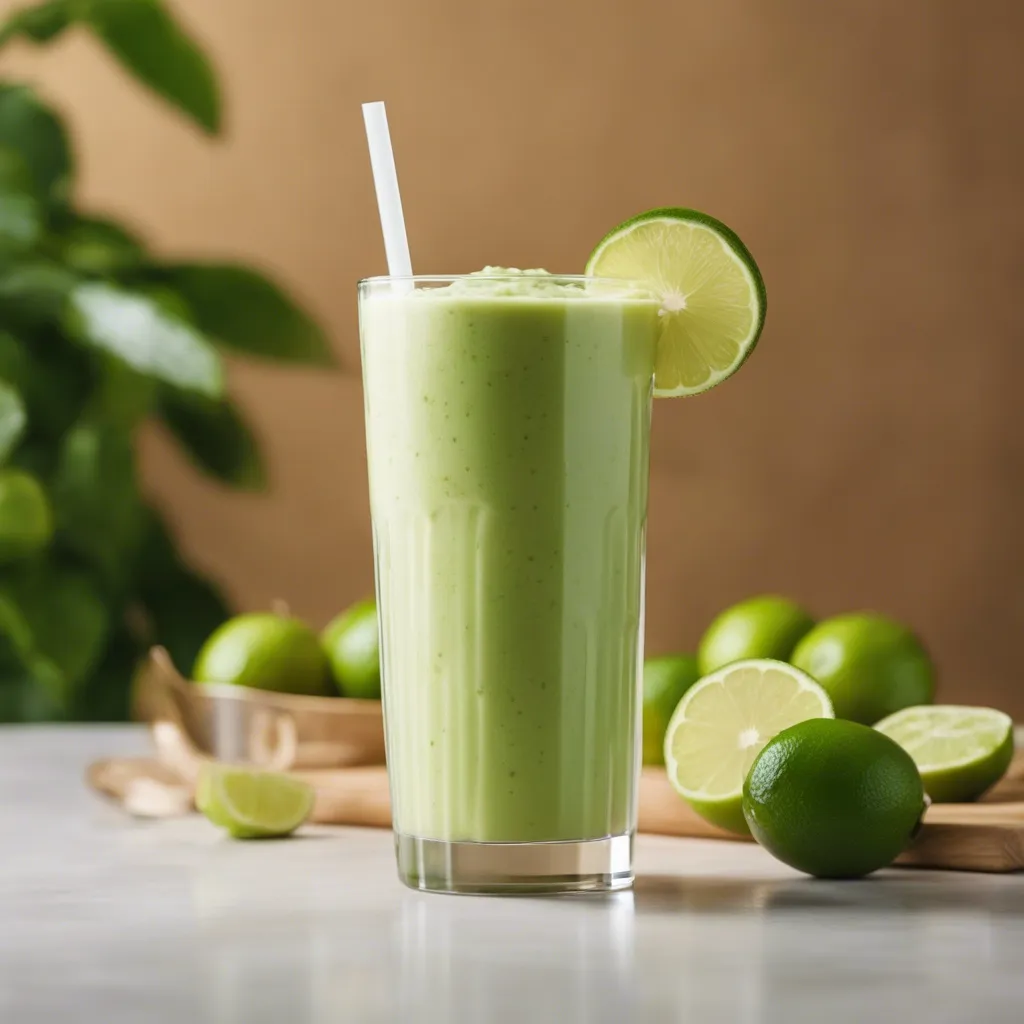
{"x":385,"y":181}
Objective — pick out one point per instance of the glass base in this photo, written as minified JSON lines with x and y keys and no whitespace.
{"x":593,"y":865}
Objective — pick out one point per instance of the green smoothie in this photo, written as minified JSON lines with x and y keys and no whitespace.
{"x":508,"y":427}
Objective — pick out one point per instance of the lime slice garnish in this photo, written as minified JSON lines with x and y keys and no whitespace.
{"x":960,"y":752}
{"x":723,"y":723}
{"x":253,"y":804}
{"x":713,"y":300}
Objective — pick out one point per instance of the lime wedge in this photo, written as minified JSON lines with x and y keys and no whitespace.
{"x":723,"y":723}
{"x":713,"y":300}
{"x":253,"y":804}
{"x":960,"y":752}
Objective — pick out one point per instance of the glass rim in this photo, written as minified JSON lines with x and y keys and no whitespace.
{"x":379,"y":279}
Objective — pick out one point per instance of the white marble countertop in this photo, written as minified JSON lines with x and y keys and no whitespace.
{"x":107,"y":919}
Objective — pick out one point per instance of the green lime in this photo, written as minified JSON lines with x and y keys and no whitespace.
{"x":666,"y":679}
{"x":26,"y":519}
{"x":713,"y":300}
{"x":721,"y":725}
{"x":352,"y":644}
{"x":960,"y":752}
{"x":760,"y":627}
{"x":252,"y":804}
{"x":870,"y":666}
{"x":834,"y":799}
{"x":264,"y":651}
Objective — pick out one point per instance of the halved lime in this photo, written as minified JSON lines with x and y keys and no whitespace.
{"x":723,"y":723}
{"x":713,"y":300}
{"x":960,"y":752}
{"x":253,"y":804}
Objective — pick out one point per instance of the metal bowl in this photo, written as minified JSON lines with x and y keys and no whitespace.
{"x":277,"y":731}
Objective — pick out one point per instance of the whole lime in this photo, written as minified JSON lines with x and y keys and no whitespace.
{"x":869,"y":665}
{"x":760,"y":627}
{"x":26,"y":519}
{"x":666,"y":679}
{"x":353,"y":649}
{"x":267,"y":652}
{"x":832,"y":798}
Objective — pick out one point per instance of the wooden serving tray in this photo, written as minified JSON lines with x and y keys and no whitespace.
{"x":341,"y":756}
{"x":987,"y":836}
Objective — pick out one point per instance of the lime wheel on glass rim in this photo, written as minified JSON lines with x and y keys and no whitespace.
{"x":713,"y":299}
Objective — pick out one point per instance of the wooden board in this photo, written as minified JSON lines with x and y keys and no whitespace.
{"x":964,"y":837}
{"x":960,"y":837}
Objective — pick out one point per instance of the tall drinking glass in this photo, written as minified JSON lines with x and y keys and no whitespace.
{"x":508,"y":429}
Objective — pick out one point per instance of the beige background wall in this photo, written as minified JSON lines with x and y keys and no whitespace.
{"x":870,"y":153}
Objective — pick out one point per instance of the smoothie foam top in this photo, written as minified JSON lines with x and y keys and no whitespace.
{"x":510,"y":282}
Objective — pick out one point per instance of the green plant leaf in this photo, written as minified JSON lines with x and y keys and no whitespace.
{"x":123,"y":396}
{"x":26,"y":517}
{"x":158,"y":559}
{"x":56,"y":379}
{"x":147,"y":40}
{"x":97,"y":508}
{"x":13,"y":420}
{"x":13,"y":360}
{"x":31,"y":128}
{"x":245,"y":311}
{"x":183,"y":607}
{"x":135,"y":327}
{"x":40,"y":23}
{"x":216,"y":437}
{"x":21,"y":217}
{"x":183,"y":613}
{"x":66,"y":613}
{"x":100,"y":247}
{"x":32,"y":694}
{"x":106,"y":695}
{"x":36,"y":457}
{"x":53,"y":376}
{"x":17,"y":645}
{"x":33,"y":292}
{"x":32,"y":688}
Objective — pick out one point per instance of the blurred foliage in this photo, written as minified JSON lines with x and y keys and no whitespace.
{"x":98,"y":335}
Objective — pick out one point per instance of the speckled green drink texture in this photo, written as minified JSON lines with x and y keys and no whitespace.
{"x":508,"y":428}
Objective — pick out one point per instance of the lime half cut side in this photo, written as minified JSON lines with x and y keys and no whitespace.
{"x":724,"y":722}
{"x":959,"y":751}
{"x":252,"y":804}
{"x":713,"y":300}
